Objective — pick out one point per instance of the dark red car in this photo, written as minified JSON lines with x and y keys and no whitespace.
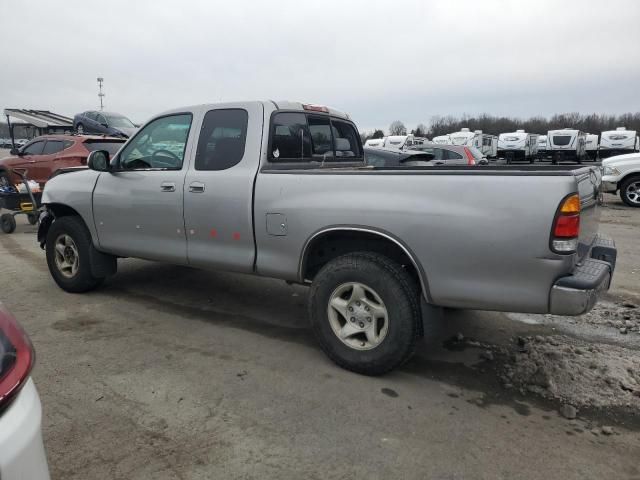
{"x":44,"y":155}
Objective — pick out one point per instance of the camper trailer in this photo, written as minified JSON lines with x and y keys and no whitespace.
{"x":542,"y":147}
{"x":442,"y":140}
{"x":487,"y":144}
{"x":518,"y":145}
{"x":375,"y":142}
{"x":591,"y":146}
{"x":400,"y":142}
{"x":566,"y":144}
{"x":618,"y":141}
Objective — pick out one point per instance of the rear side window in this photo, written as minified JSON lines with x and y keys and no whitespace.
{"x":297,"y":137}
{"x":111,"y":147}
{"x":222,"y":139}
{"x":67,"y":144}
{"x":290,"y":138}
{"x":53,"y":146}
{"x":451,"y":155}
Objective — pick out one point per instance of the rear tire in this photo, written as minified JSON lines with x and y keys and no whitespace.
{"x":371,"y":332}
{"x":630,"y":191}
{"x":69,"y":247}
{"x":7,"y":223}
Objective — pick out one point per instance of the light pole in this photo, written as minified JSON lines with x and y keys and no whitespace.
{"x":100,"y":94}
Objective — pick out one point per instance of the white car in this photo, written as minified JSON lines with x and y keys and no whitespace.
{"x":622,"y":173}
{"x":22,"y":454}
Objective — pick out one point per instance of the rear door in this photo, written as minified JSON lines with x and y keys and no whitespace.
{"x":218,"y":195}
{"x":138,"y":206}
{"x":45,"y":164}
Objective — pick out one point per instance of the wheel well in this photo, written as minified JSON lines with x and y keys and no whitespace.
{"x":60,"y":210}
{"x":627,"y":177}
{"x":327,"y":246}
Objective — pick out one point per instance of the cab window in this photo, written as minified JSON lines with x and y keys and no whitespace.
{"x":159,"y":145}
{"x":222,"y":139}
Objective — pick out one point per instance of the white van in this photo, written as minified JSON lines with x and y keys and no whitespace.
{"x":619,"y":141}
{"x":566,"y":144}
{"x":518,"y":145}
{"x":487,"y":144}
{"x":591,"y":146}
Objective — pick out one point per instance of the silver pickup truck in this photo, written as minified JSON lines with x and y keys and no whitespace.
{"x":280,"y":189}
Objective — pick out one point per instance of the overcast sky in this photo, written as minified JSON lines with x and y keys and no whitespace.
{"x":378,"y":60}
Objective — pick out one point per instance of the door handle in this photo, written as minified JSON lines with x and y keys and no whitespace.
{"x":196,"y":187}
{"x":168,"y":187}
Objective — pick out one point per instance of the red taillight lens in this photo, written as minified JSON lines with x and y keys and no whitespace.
{"x":471,"y":160}
{"x":566,"y":226}
{"x":16,"y":357}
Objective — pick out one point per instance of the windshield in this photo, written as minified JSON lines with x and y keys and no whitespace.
{"x":119,"y":122}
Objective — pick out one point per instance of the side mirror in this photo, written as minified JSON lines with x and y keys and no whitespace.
{"x":14,"y":151}
{"x":98,"y":160}
{"x":105,"y":125}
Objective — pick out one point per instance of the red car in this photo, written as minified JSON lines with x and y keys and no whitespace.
{"x":44,"y":155}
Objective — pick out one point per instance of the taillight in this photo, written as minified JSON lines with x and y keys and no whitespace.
{"x":566,"y":225}
{"x":16,"y":358}
{"x":471,"y":160}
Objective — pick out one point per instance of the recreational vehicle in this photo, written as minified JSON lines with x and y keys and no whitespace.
{"x":566,"y":144}
{"x":619,"y":141}
{"x":518,"y":145}
{"x":375,"y":142}
{"x":591,"y":146}
{"x":487,"y":144}
{"x":400,"y":142}
{"x":442,"y":140}
{"x":542,"y":147}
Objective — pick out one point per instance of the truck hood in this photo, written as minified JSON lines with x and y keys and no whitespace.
{"x":626,"y":159}
{"x":69,"y":184}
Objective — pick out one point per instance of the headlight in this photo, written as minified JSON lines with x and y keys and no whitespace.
{"x":611,"y":171}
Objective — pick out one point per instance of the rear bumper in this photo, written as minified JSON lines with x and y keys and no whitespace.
{"x":578,"y":292}
{"x":22,"y":453}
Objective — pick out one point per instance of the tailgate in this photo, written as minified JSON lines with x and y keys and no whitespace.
{"x":588,"y":180}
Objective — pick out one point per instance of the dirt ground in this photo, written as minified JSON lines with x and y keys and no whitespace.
{"x":174,"y":373}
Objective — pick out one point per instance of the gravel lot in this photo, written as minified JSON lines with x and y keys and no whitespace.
{"x":174,"y":373}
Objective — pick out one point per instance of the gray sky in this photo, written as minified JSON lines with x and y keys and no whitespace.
{"x":378,"y":60}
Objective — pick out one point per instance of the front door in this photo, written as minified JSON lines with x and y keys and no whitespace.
{"x":218,"y":193}
{"x":31,"y":154}
{"x":138,"y":206}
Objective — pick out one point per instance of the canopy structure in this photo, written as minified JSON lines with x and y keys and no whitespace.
{"x":38,"y":122}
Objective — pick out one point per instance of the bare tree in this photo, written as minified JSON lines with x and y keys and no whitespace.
{"x":397,"y":128}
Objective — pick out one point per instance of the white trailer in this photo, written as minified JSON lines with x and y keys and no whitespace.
{"x":542,"y":147}
{"x":518,"y":145}
{"x":442,"y":140}
{"x":618,"y":141}
{"x":591,"y":146}
{"x":375,"y":142}
{"x":566,"y":144}
{"x":487,"y":144}
{"x":400,"y":142}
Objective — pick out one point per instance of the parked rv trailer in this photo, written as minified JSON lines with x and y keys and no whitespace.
{"x":487,"y":144}
{"x":542,"y":147}
{"x":375,"y":142}
{"x":442,"y":140}
{"x":566,"y":144}
{"x":518,"y":145}
{"x":401,"y":142}
{"x":618,"y":141}
{"x":591,"y":146}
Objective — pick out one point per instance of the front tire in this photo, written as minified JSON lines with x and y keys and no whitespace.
{"x":630,"y":191}
{"x":365,"y":312}
{"x":69,"y":249}
{"x":80,"y":128}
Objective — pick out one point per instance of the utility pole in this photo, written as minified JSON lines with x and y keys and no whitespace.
{"x":100,"y":94}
